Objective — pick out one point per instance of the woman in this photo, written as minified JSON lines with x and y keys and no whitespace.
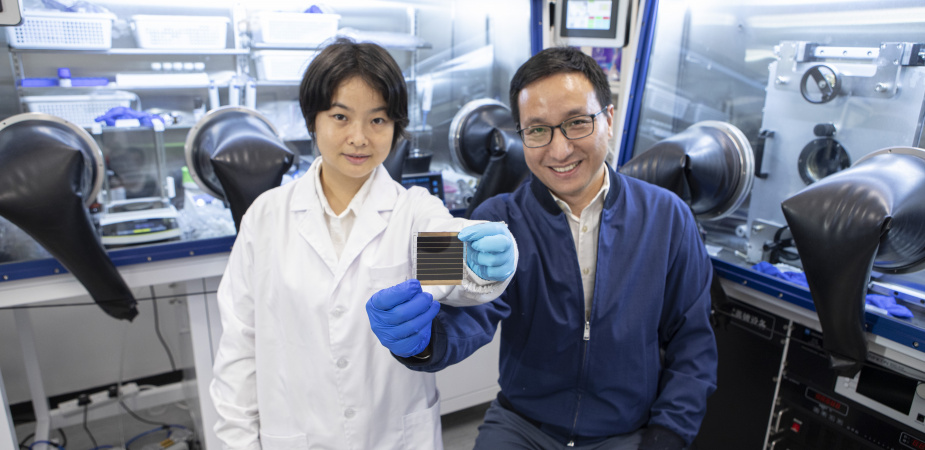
{"x":298,"y":365}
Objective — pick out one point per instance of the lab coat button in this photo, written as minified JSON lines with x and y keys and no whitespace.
{"x":337,"y":312}
{"x":349,"y":413}
{"x":341,"y":363}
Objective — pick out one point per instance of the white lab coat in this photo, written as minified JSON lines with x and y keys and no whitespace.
{"x":298,"y":365}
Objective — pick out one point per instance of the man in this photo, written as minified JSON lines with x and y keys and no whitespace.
{"x":606,"y":340}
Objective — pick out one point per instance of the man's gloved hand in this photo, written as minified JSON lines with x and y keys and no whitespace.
{"x":401,"y":316}
{"x":489,"y":250}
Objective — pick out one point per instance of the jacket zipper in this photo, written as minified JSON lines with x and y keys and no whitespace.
{"x":584,"y":355}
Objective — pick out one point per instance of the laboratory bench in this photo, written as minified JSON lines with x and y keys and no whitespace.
{"x":192,"y":269}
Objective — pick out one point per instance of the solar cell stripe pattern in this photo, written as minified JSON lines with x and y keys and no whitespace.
{"x":439,"y":259}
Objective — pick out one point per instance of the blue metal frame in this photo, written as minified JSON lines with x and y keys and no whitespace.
{"x":121,"y":257}
{"x":637,"y":86}
{"x":765,"y":284}
{"x":536,"y":26}
{"x":897,"y":330}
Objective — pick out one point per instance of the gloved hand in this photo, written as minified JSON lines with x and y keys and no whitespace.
{"x":489,"y":250}
{"x":401,"y":316}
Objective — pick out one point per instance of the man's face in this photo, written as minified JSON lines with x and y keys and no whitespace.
{"x":573,"y":169}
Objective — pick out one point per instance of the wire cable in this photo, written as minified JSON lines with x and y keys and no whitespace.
{"x":157,"y":329}
{"x":87,"y":429}
{"x":155,"y":430}
{"x":139,"y":418}
{"x":22,"y":443}
{"x":120,"y":393}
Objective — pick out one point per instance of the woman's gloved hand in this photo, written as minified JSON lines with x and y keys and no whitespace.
{"x":489,"y":250}
{"x":401,"y":316}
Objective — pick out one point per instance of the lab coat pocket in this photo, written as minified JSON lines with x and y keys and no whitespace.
{"x":294,"y":442}
{"x":381,"y":277}
{"x":421,"y":429}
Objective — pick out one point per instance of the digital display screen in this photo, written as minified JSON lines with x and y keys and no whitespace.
{"x":139,"y":227}
{"x":911,"y":441}
{"x":836,"y":405}
{"x":588,"y":15}
{"x":433,"y":182}
{"x":589,"y":18}
{"x":888,"y":388}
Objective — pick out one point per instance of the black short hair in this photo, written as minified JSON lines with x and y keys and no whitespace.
{"x":344,"y":59}
{"x":556,"y":60}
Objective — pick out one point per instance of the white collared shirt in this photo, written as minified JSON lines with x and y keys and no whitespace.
{"x":340,"y":225}
{"x":585,"y":232}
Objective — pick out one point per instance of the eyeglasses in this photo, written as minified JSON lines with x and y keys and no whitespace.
{"x":576,"y":127}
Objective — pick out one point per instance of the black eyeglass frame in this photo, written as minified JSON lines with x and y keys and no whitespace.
{"x":520,"y":132}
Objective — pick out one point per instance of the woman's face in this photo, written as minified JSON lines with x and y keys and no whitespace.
{"x":354,"y":136}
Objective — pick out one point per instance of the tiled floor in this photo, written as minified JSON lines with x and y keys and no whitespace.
{"x":461,"y":427}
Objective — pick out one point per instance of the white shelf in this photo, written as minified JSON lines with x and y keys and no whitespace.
{"x":278,"y":83}
{"x":140,"y":51}
{"x":261,"y":46}
{"x":63,"y":286}
{"x":58,"y":90}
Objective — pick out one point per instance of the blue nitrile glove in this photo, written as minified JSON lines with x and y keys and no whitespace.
{"x":769,"y":269}
{"x":884,"y":302}
{"x":122,"y":112}
{"x":889,"y":304}
{"x":489,"y":250}
{"x":401,"y":315}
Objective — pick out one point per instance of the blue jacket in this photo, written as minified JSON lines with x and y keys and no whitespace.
{"x":650,"y":357}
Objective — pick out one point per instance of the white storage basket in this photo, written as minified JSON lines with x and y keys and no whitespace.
{"x":282,"y":65}
{"x":293,"y":29}
{"x":62,"y":30}
{"x":180,"y":32}
{"x":80,"y":110}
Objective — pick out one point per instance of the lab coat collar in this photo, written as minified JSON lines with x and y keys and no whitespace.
{"x":382,"y":195}
{"x":369,"y":223}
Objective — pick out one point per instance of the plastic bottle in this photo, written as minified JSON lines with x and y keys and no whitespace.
{"x":64,"y":77}
{"x":250,"y":94}
{"x":213,"y":96}
{"x":234,"y":92}
{"x":116,"y":188}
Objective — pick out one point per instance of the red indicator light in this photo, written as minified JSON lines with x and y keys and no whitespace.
{"x":795,"y":427}
{"x":828,"y":401}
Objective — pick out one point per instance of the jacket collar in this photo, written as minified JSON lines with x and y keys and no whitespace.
{"x":541,"y":192}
